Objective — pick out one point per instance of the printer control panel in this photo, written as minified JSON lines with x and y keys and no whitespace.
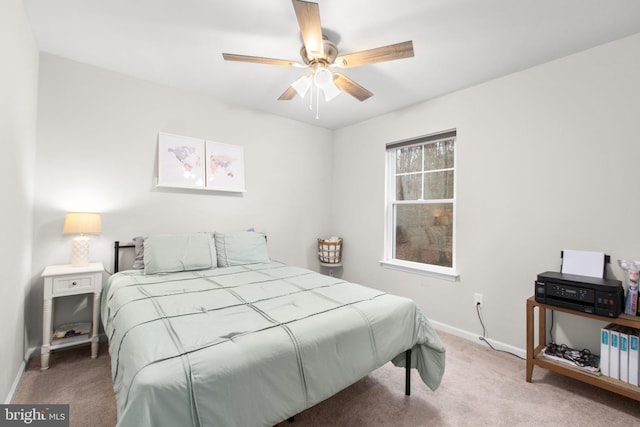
{"x":571,"y":293}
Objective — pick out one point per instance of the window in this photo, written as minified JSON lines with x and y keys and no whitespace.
{"x":420,"y":227}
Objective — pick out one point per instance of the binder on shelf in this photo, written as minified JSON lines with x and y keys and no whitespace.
{"x":605,"y":333}
{"x":634,"y":360}
{"x":614,"y":352}
{"x":624,"y":354}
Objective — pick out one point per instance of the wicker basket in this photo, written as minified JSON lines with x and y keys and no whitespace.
{"x":330,"y":251}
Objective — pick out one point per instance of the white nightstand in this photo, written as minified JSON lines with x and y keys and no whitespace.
{"x":65,"y":280}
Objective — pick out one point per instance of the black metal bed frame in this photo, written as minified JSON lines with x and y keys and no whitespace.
{"x":116,"y":255}
{"x":407,"y":353}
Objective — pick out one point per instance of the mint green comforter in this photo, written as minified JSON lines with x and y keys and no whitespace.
{"x":251,"y":345}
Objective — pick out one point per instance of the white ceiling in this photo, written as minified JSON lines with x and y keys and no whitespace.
{"x":457,"y":43}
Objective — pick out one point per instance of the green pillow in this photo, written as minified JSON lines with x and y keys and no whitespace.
{"x":166,"y":253}
{"x":241,"y":247}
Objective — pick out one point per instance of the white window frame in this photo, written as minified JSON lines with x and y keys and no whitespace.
{"x":447,"y":273}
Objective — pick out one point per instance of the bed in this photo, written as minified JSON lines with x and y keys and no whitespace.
{"x":208,"y":331}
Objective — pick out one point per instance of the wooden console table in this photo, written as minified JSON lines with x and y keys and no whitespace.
{"x":535,"y":358}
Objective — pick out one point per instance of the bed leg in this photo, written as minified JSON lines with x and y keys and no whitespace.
{"x":115,"y":256}
{"x":407,"y":380}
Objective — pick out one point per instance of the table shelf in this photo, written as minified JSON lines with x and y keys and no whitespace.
{"x":536,"y":358}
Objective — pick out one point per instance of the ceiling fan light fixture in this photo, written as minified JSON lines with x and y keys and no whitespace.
{"x":330,"y":91}
{"x":302,"y":85}
{"x":323,"y":77}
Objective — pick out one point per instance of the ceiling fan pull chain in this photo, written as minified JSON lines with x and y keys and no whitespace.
{"x":317,"y":103}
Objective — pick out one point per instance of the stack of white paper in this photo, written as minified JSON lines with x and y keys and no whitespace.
{"x":583,"y":263}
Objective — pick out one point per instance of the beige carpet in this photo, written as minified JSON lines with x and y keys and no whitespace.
{"x":75,"y":378}
{"x":481,"y":387}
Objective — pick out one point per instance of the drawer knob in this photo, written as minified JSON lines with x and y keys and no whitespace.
{"x":74,"y":283}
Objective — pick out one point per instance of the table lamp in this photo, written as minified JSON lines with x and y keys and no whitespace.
{"x":81,"y":223}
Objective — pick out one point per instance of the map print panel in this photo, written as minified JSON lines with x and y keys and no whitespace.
{"x":224,"y":165}
{"x":180,"y":161}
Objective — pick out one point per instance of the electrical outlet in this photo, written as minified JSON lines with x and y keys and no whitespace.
{"x":478,"y":299}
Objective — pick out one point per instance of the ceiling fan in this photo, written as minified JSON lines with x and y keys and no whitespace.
{"x":320,"y":54}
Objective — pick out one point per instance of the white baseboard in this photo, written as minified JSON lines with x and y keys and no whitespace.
{"x":30,"y":352}
{"x":21,"y":369}
{"x":476,"y":338}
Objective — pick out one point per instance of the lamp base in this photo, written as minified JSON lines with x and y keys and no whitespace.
{"x":80,"y":252}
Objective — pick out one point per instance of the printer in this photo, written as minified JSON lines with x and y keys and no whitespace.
{"x":604,"y":297}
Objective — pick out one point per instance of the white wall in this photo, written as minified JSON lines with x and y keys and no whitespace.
{"x":97,"y":151}
{"x":548,"y":159}
{"x":18,"y":106}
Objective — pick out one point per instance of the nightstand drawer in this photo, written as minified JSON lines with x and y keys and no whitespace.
{"x":70,"y":285}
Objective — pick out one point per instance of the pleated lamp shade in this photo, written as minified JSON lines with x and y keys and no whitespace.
{"x":81,"y":223}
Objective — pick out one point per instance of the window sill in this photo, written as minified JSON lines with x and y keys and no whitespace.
{"x":417,"y":268}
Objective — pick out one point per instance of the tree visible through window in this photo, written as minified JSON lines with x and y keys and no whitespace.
{"x":421,"y":200}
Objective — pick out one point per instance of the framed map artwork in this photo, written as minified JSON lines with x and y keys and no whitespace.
{"x":224,"y":167}
{"x":186,"y":162}
{"x":180,"y":161}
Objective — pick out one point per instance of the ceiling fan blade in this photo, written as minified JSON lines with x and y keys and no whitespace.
{"x":308,"y":15}
{"x":380,"y":54}
{"x":351,"y":87}
{"x":260,"y":60}
{"x":288,"y":94}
